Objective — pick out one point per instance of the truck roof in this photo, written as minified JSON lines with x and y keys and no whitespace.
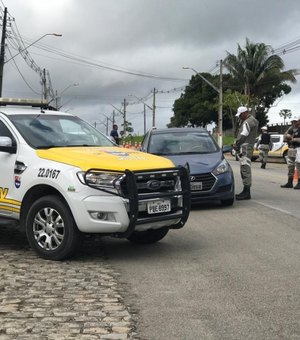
{"x":10,"y":106}
{"x":19,"y":110}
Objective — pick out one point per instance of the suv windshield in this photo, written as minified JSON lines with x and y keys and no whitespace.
{"x":182,"y":143}
{"x":46,"y":131}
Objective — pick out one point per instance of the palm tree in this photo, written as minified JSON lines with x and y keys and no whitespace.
{"x":257,"y":72}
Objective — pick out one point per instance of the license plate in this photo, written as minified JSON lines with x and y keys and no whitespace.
{"x":196,"y":186}
{"x":156,"y":207}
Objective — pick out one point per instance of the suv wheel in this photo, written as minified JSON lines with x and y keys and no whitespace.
{"x":51,"y":229}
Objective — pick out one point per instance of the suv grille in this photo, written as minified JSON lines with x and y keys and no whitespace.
{"x":208,"y":180}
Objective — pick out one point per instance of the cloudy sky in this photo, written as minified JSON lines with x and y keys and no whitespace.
{"x":123,"y":49}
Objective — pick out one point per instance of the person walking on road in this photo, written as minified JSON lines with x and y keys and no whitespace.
{"x":292,"y":137}
{"x":264,"y":145}
{"x":244,"y":145}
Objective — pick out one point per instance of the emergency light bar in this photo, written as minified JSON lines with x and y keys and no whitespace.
{"x":24,"y":102}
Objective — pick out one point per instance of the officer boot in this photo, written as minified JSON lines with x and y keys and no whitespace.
{"x":297,"y":186}
{"x":289,"y":183}
{"x":263,"y":165}
{"x":244,"y":195}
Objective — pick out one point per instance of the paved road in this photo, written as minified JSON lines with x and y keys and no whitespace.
{"x":230,"y":273}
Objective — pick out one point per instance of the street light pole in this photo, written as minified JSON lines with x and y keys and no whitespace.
{"x":220,"y":92}
{"x":149,"y":107}
{"x":2,"y":62}
{"x":220,"y":111}
{"x":58,"y":96}
{"x":25,"y":48}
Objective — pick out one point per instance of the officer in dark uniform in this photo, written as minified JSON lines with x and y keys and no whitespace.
{"x":264,"y":146}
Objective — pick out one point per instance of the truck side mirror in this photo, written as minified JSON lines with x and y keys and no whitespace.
{"x":6,"y":145}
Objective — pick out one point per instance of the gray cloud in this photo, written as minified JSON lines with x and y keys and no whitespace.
{"x":148,"y":36}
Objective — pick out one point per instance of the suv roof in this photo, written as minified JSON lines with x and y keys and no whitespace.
{"x":172,"y":130}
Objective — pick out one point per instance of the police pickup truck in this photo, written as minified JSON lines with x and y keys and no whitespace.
{"x":60,"y":178}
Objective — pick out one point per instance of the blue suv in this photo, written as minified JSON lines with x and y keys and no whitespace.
{"x":211,"y":176}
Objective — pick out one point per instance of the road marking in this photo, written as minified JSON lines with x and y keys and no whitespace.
{"x":275,"y":208}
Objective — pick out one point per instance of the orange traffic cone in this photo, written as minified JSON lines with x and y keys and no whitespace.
{"x":295,"y":179}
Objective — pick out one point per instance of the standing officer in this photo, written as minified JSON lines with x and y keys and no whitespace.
{"x":292,"y":137}
{"x":264,"y":145}
{"x":114,"y":134}
{"x":244,"y":146}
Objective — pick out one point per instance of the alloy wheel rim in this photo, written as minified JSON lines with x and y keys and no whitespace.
{"x":48,"y":229}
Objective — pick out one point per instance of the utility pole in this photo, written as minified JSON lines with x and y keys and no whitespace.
{"x":107,"y":126}
{"x":113,"y":117}
{"x":124,"y":116}
{"x":220,"y":111}
{"x":153,"y":108}
{"x":2,"y":50}
{"x":44,"y":85}
{"x":144,"y":118}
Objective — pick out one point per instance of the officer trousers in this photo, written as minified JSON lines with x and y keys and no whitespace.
{"x":246,"y":152}
{"x":263,"y":153}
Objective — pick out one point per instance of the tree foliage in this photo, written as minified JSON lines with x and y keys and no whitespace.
{"x":197,"y":104}
{"x":285,"y":113}
{"x":256,"y":79}
{"x":259,"y":74}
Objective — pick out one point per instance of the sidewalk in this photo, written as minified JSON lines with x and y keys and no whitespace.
{"x":76,"y":299}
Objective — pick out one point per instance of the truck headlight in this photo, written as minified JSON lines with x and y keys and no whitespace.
{"x":221,"y":168}
{"x":100,"y":179}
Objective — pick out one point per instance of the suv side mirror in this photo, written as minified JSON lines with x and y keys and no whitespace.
{"x":226,"y":148}
{"x":6,"y":145}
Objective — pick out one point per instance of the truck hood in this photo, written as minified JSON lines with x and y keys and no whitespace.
{"x":109,"y":158}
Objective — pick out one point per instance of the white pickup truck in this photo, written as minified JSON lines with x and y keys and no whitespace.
{"x":60,"y":178}
{"x":279,"y":148}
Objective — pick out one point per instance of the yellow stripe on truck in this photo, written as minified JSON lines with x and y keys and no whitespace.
{"x":8,"y":208}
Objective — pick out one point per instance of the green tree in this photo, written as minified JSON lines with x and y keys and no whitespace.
{"x":128,"y":127}
{"x":285,"y":113}
{"x":259,"y":74}
{"x":231,"y":102}
{"x":197,"y":104}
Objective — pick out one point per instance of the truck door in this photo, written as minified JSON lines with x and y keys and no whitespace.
{"x":7,"y":177}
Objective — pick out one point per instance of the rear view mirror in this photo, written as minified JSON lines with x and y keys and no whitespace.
{"x":6,"y":145}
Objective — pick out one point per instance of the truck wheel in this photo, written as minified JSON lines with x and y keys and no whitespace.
{"x":51,"y":229}
{"x":148,"y":236}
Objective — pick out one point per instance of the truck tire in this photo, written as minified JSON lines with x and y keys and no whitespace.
{"x":148,"y":236}
{"x":50,"y":228}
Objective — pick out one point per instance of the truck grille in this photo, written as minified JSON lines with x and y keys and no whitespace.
{"x":143,"y":187}
{"x":168,"y":190}
{"x":152,"y":184}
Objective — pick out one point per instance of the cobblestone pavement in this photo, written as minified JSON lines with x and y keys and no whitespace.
{"x":76,"y":299}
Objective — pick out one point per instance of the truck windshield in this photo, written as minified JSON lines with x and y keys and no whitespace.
{"x":44,"y":130}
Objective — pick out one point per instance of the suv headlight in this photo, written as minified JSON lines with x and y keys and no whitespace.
{"x":101,"y":179}
{"x":221,"y":168}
